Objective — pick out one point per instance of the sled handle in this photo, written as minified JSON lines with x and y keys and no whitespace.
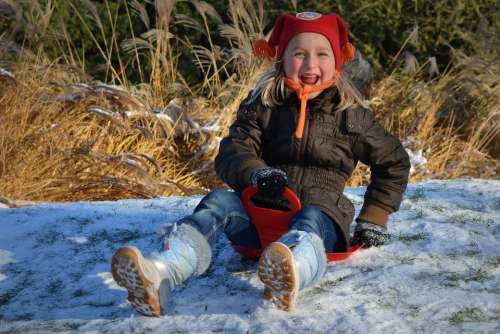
{"x":288,"y":194}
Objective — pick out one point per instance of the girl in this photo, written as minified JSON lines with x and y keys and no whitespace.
{"x":303,"y":126}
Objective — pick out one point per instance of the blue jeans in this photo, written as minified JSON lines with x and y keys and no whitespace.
{"x":222,"y":211}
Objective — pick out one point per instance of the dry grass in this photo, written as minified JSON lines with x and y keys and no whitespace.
{"x":66,"y":137}
{"x":66,"y":141}
{"x":452,"y":119}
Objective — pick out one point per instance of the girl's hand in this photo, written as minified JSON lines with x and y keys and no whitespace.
{"x":270,"y":182}
{"x":370,"y":234}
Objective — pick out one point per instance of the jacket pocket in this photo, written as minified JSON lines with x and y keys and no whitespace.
{"x":346,"y":208}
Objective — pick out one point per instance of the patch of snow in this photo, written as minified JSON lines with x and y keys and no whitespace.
{"x":211,"y":127}
{"x":79,"y":240}
{"x":165,"y":117}
{"x":103,"y":86}
{"x":104,"y":113}
{"x":417,"y":160}
{"x":70,"y":98}
{"x":6,"y":257}
{"x":439,"y":273}
{"x":136,"y":113}
{"x":4,"y":72}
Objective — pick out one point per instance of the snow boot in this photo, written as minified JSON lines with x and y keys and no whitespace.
{"x":150,"y":280}
{"x":297,"y":260}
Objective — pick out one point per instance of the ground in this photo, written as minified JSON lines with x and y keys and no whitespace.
{"x":439,"y":273}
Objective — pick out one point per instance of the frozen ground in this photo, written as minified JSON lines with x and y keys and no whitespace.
{"x":440,"y":273}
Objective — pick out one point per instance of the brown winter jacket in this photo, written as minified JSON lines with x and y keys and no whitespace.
{"x":319,"y":164}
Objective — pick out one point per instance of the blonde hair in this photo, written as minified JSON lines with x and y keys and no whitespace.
{"x":270,"y":87}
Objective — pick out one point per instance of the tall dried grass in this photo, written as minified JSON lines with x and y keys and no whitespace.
{"x":452,"y":120}
{"x":75,"y":140}
{"x":64,"y":136}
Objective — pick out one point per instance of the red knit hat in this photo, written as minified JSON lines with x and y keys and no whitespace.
{"x":287,"y":26}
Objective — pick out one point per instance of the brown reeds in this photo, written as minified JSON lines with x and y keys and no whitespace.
{"x":65,"y":136}
{"x":452,"y":121}
{"x":88,"y":141}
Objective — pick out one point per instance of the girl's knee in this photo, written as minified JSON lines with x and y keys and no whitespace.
{"x":222,"y":199}
{"x":221,"y":195}
{"x":311,"y":219}
{"x":311,"y":212}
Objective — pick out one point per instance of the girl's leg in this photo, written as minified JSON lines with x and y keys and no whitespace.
{"x":185,"y":251}
{"x":220,"y":212}
{"x":298,"y":259}
{"x":312,"y":219}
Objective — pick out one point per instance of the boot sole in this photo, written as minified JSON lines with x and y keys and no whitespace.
{"x":128,"y":273}
{"x":277,"y":272}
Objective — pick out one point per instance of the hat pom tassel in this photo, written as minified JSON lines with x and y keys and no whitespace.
{"x":262,"y":49}
{"x":348,"y":52}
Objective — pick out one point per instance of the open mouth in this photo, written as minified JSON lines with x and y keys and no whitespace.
{"x":309,"y":79}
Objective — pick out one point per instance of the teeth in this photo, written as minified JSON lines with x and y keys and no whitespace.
{"x":309,"y":79}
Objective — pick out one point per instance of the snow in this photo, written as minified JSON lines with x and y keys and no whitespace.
{"x":4,"y":72}
{"x":440,"y":272}
{"x":417,"y":160}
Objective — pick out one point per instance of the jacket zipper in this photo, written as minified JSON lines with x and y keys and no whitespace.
{"x":302,"y":148}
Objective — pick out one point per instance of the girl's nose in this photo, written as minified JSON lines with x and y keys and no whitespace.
{"x":311,"y":62}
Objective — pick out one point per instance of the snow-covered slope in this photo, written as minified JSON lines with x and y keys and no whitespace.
{"x":440,"y":272}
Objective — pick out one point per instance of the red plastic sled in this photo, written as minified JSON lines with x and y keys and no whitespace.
{"x":271,"y":232}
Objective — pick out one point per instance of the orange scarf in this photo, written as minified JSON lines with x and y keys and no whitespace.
{"x":303,"y":93}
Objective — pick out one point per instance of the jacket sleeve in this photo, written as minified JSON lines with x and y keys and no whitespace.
{"x":241,"y":150}
{"x":389,"y":165}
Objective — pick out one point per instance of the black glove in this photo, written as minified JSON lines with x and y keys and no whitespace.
{"x":370,"y":234}
{"x":271,"y":183}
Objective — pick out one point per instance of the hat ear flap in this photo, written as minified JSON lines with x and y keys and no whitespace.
{"x":263,"y":49}
{"x":348,"y":52}
{"x":346,"y":48}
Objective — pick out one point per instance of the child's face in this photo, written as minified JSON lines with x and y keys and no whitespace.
{"x":309,"y":60}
